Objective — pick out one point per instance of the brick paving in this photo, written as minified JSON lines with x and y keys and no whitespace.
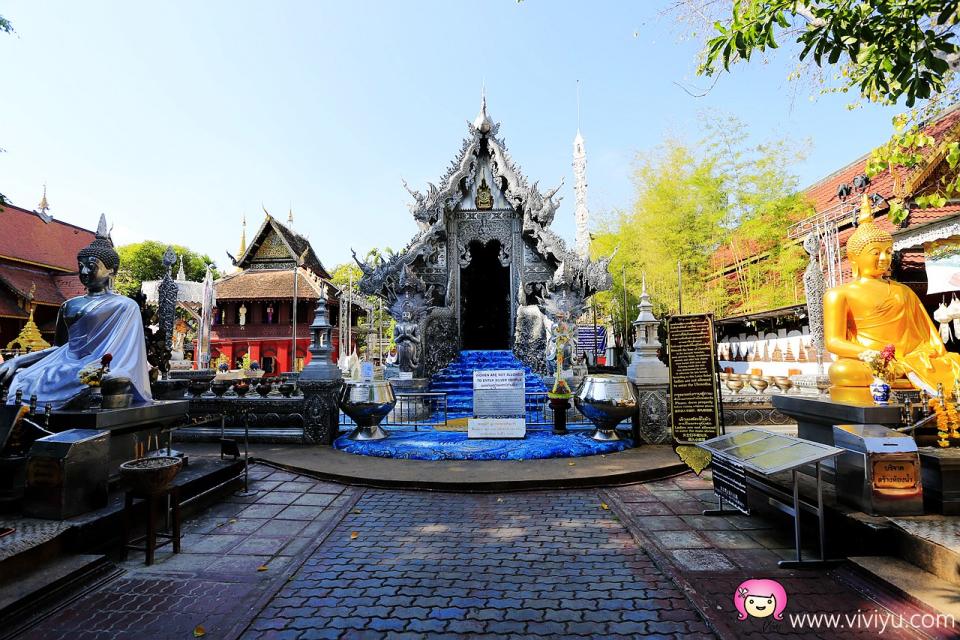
{"x":233,"y":555}
{"x":412,"y":564}
{"x":341,"y":562}
{"x":713,"y":555}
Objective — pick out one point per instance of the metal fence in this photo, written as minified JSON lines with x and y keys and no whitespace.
{"x":540,"y":415}
{"x":412,"y":410}
{"x":415,"y":410}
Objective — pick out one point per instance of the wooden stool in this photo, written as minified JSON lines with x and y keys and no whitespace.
{"x":152,"y":500}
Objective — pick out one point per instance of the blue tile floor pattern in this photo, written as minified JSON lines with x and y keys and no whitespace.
{"x":447,"y":445}
{"x":456,"y":380}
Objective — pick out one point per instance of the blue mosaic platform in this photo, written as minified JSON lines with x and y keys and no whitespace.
{"x":456,"y":380}
{"x":454,"y":445}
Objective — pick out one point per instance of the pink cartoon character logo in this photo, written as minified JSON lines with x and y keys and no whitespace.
{"x":760,"y":599}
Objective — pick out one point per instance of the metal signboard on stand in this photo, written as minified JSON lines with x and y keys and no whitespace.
{"x":749,"y":458}
{"x":499,"y":408}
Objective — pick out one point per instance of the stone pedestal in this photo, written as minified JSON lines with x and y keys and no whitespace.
{"x":651,"y":424}
{"x":321,"y":414}
{"x":559,"y":408}
{"x":132,"y":429}
{"x":650,"y":378}
{"x":940,"y":469}
{"x":651,"y":383}
{"x":816,"y":417}
{"x":320,"y":381}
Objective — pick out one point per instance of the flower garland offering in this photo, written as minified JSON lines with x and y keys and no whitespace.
{"x":948,"y":421}
{"x":92,"y":374}
{"x":883,"y":364}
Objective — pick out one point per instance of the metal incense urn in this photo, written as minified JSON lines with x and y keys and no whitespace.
{"x":606,"y":400}
{"x":367,"y":402}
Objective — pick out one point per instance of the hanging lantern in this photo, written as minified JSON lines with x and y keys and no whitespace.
{"x":953,"y":311}
{"x":942,"y":317}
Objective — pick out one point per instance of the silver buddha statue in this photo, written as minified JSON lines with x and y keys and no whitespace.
{"x":88,"y":328}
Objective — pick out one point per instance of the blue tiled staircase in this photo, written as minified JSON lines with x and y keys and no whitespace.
{"x":456,"y":380}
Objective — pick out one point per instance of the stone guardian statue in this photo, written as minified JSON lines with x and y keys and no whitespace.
{"x":406,"y":334}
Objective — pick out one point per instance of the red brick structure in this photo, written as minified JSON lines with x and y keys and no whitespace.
{"x":37,"y":253}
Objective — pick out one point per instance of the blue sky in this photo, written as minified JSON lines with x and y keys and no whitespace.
{"x":176,"y":118}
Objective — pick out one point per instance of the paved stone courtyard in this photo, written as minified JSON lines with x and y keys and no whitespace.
{"x":550,"y":564}
{"x":308,"y":559}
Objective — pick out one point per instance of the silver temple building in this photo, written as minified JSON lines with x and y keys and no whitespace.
{"x":484,"y":272}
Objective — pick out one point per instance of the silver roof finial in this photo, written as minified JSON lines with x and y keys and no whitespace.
{"x":482,"y":122}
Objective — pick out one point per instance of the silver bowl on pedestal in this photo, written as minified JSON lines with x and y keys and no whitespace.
{"x":367,"y":403}
{"x":606,"y":400}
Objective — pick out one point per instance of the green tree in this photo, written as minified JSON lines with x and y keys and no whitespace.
{"x":144,"y":261}
{"x":697,"y":202}
{"x":677,"y":217}
{"x":382,"y":322}
{"x":887,"y":49}
{"x":884,"y":51}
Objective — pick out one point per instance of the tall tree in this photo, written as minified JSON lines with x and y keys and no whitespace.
{"x":888,"y":49}
{"x":342,"y":276}
{"x":701,"y":205}
{"x":883,"y":51}
{"x":144,"y":261}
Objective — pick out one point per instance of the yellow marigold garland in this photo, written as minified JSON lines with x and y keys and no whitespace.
{"x":948,"y":421}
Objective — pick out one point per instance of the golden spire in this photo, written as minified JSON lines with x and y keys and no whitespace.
{"x":29,"y":338}
{"x":290,"y":217}
{"x":866,"y":210}
{"x":867,"y":230}
{"x":43,"y":206}
{"x":243,"y":238}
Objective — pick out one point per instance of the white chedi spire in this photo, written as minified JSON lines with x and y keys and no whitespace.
{"x":581,"y":213}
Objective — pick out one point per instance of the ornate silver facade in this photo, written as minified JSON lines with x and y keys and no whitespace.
{"x":484,"y":212}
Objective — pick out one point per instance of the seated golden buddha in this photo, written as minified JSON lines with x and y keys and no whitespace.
{"x":870,"y":312}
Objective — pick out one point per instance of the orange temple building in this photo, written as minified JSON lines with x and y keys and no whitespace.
{"x":254,"y":313}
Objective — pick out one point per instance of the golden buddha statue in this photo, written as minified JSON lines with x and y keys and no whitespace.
{"x":870,"y":312}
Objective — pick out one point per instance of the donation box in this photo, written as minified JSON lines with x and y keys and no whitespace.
{"x":67,"y":474}
{"x":879,"y":473}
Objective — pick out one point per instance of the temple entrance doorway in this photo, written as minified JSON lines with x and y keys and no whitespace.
{"x":485,"y":299}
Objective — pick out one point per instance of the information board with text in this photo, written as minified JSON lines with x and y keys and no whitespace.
{"x":694,"y":394}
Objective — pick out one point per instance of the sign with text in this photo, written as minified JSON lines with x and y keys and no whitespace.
{"x":496,"y":428}
{"x":730,"y":483}
{"x":499,"y":393}
{"x":694,"y":395}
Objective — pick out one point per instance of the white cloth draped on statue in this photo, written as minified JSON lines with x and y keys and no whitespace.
{"x":112,"y":325}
